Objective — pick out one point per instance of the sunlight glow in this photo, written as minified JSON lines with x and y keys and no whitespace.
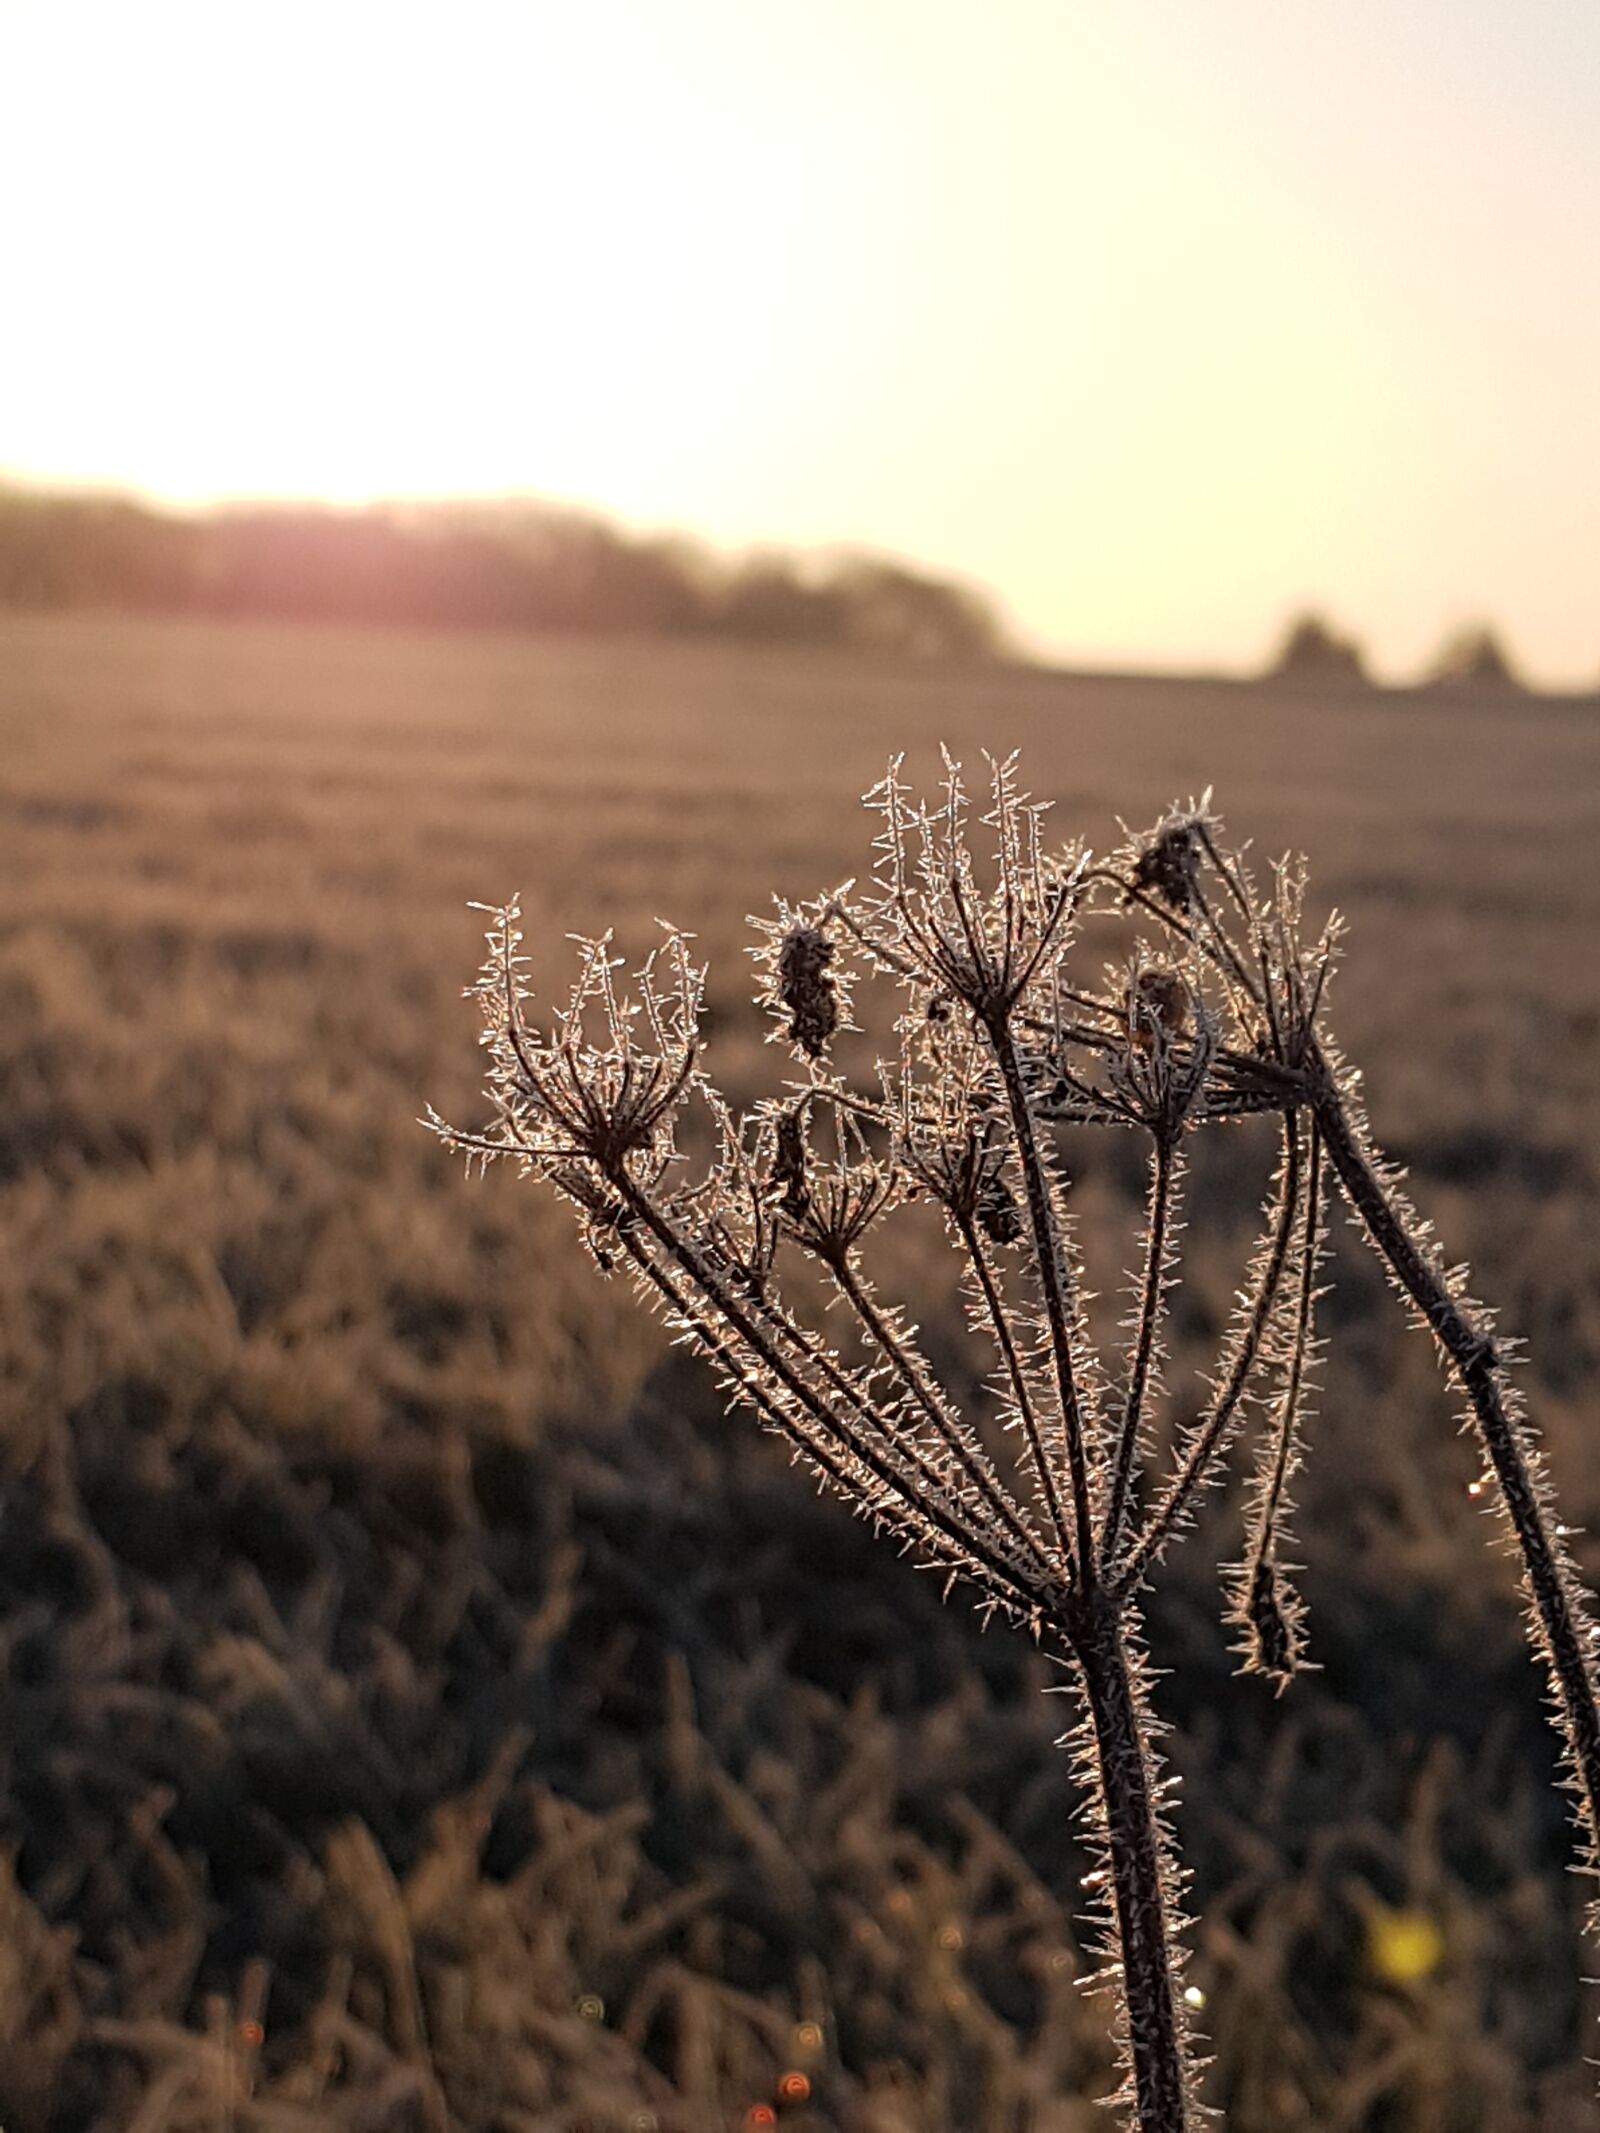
{"x":1162,"y":322}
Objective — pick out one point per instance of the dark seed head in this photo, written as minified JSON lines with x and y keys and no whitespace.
{"x":1158,"y":1004}
{"x":789,"y":1168}
{"x":1169,"y":865}
{"x":807,"y":989}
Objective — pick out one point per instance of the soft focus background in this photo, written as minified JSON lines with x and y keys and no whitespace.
{"x":567,"y":453}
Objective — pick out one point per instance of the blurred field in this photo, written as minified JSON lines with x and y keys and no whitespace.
{"x":423,"y":1708}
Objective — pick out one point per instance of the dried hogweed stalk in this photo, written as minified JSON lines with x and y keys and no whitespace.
{"x":1046,"y":1493}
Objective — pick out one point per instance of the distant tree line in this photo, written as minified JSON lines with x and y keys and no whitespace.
{"x":1471,"y":657}
{"x":510,"y":566}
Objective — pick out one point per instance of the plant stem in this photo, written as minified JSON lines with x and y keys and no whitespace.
{"x":1214,"y":1432}
{"x":1150,"y":1300}
{"x":1477,"y":1367}
{"x":1005,"y":1340}
{"x":1126,"y":1783}
{"x":946,"y":1425}
{"x":1049,"y":1249}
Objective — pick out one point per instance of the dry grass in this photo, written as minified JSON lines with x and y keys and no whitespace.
{"x":404,"y":1658}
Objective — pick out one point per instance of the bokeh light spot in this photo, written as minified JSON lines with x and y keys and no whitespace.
{"x":1404,"y":1946}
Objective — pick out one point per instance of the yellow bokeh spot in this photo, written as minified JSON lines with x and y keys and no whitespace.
{"x":1404,"y":1946}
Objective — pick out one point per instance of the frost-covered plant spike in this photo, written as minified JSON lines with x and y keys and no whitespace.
{"x":1005,"y":1025}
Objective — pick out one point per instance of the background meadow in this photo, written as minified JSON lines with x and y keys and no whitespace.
{"x":423,"y":1707}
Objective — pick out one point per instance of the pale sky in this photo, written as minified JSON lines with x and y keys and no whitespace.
{"x":1159,"y":318}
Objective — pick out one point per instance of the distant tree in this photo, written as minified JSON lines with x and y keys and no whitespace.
{"x":1312,"y":651}
{"x":891,"y":609}
{"x":1473,"y":658}
{"x":871,"y":605}
{"x":766,"y":598}
{"x":93,"y":551}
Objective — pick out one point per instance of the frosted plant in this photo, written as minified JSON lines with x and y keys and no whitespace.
{"x":1054,"y":1494}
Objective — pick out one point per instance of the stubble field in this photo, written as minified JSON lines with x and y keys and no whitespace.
{"x":423,"y":1708}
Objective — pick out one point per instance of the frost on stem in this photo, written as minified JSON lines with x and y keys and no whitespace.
{"x":1265,"y":1608}
{"x":1274,"y":987}
{"x":1041,"y":1491}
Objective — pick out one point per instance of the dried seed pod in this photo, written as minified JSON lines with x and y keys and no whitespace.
{"x":1157,"y":1005}
{"x":789,"y":1180}
{"x":1169,"y":865}
{"x":807,"y":989}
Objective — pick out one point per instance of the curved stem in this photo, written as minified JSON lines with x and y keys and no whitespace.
{"x":1476,"y":1366}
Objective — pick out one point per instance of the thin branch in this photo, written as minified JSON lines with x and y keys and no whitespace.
{"x":935,"y":1506}
{"x":1212,"y":1434}
{"x":911,"y":1518}
{"x":1152,"y":1291}
{"x":1305,"y":1299}
{"x":948,"y":1426}
{"x":1048,"y":1248}
{"x":1005,"y":1340}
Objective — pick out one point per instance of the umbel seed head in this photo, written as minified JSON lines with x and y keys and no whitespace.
{"x":807,"y":989}
{"x":1169,"y":865}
